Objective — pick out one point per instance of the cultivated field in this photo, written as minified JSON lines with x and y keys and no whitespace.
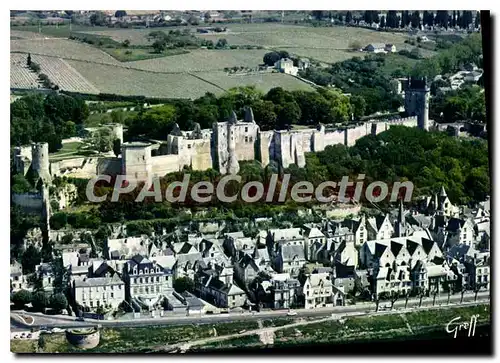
{"x":62,"y":48}
{"x":18,"y":34}
{"x":202,"y":60}
{"x":118,"y":80}
{"x":263,"y":81}
{"x":62,"y":74}
{"x":57,"y":69}
{"x":20,"y":75}
{"x":80,"y":67}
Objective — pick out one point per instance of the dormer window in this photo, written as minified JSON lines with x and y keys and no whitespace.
{"x":146,"y":270}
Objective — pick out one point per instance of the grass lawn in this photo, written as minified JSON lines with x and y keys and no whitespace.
{"x":277,"y":322}
{"x":395,"y":62}
{"x":23,"y":346}
{"x":137,"y":54}
{"x":241,"y":342}
{"x":123,"y":340}
{"x":70,"y":147}
{"x":97,"y":119}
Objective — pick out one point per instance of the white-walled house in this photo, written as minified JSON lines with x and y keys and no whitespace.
{"x":107,"y":292}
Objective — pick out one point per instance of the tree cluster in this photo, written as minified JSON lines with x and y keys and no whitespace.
{"x":364,"y":78}
{"x":38,"y":118}
{"x":450,"y":60}
{"x":278,"y":109}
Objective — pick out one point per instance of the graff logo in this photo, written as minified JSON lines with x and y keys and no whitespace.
{"x":455,"y":326}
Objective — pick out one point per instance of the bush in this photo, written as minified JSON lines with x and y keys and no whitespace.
{"x":183,"y":284}
{"x":58,"y":302}
{"x":40,"y":301}
{"x":21,"y":298}
{"x":404,"y":52}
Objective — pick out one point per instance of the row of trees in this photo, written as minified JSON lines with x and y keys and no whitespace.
{"x":40,"y":300}
{"x":401,"y":19}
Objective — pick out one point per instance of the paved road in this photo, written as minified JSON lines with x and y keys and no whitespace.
{"x":69,"y":322}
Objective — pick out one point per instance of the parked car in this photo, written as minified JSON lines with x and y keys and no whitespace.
{"x":80,"y":318}
{"x":291,"y":313}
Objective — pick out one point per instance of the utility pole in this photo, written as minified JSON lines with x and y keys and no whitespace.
{"x":282,"y":16}
{"x":70,"y":25}
{"x":39,"y":27}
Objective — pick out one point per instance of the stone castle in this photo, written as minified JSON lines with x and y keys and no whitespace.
{"x":220,"y":148}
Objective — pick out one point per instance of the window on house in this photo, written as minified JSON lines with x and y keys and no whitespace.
{"x":157,"y":278}
{"x":189,"y":146}
{"x":246,"y":139}
{"x":251,"y":138}
{"x":112,"y":295}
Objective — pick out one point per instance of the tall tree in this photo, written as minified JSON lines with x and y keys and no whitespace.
{"x":348,"y":17}
{"x":382,"y":21}
{"x":318,"y":14}
{"x":415,"y":19}
{"x":392,"y":19}
{"x":368,"y":17}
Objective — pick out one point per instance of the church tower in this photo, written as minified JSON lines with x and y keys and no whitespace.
{"x":400,"y":227}
{"x":417,"y":97}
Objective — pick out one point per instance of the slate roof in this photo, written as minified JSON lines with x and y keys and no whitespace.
{"x":128,"y":246}
{"x":427,"y":245}
{"x":166,"y":262}
{"x":454,"y":224}
{"x":395,"y":248}
{"x":317,"y":279}
{"x":379,"y":250}
{"x":289,"y":252}
{"x":286,"y":234}
{"x":99,"y":281}
{"x":411,"y":246}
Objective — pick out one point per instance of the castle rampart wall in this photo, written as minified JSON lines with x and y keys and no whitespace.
{"x":165,"y":164}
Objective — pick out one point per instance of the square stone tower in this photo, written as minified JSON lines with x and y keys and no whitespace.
{"x":417,"y":101}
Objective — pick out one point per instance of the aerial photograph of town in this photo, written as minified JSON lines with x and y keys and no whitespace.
{"x":257,"y":181}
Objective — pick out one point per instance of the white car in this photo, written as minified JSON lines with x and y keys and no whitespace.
{"x":291,"y":313}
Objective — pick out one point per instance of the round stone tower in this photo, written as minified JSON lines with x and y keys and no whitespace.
{"x":40,"y":161}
